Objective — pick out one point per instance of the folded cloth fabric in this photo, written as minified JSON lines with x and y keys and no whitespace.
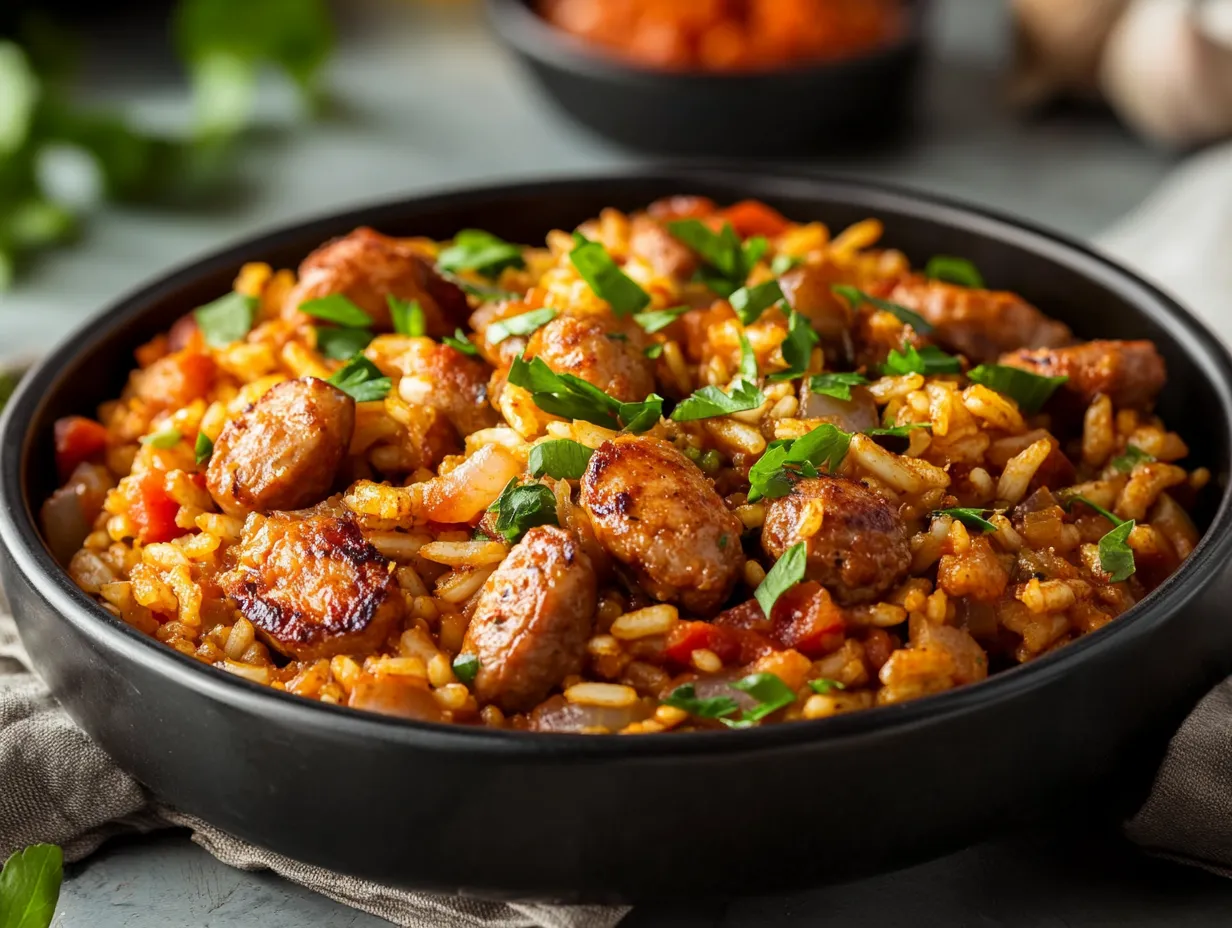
{"x":59,"y":787}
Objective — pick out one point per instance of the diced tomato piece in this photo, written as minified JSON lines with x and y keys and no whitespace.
{"x":807,"y":619}
{"x":732,"y":645}
{"x":151,"y":511}
{"x":752,"y":217}
{"x":77,"y":439}
{"x":747,"y":616}
{"x":878,"y":646}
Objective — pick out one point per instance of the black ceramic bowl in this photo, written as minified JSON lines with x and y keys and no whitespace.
{"x":573,"y":817}
{"x":858,"y":100}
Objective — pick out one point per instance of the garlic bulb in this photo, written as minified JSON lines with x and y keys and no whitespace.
{"x":1167,"y":69}
{"x":1059,"y":46}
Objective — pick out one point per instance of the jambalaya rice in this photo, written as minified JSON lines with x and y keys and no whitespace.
{"x":562,"y":488}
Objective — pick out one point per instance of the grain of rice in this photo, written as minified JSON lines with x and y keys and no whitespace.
{"x":247,"y":671}
{"x":735,"y":437}
{"x":242,"y":635}
{"x":670,"y":716}
{"x":1098,"y":435}
{"x":1046,"y":596}
{"x":1019,"y":471}
{"x":612,"y":695}
{"x":461,"y":583}
{"x":751,"y":515}
{"x":754,"y":574}
{"x":677,"y":367}
{"x":993,"y":408}
{"x":706,"y":660}
{"x":464,"y":553}
{"x":603,"y":646}
{"x":452,"y":696}
{"x":653,"y":620}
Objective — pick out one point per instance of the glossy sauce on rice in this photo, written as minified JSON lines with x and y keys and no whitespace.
{"x":689,"y":468}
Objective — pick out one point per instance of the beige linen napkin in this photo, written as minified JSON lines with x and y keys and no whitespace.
{"x":59,"y":787}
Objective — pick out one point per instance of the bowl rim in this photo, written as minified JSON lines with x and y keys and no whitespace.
{"x":535,"y":37}
{"x":21,"y":540}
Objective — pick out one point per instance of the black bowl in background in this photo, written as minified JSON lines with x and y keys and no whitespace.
{"x":860,"y":100}
{"x":619,"y":819}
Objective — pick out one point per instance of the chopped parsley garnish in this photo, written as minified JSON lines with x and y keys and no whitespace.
{"x":30,"y":887}
{"x":837,"y":385}
{"x":769,"y":690}
{"x":928,"y":359}
{"x":658,"y":319}
{"x":523,"y":324}
{"x":561,"y":458}
{"x":786,"y":573}
{"x":728,"y":260}
{"x":750,"y":302}
{"x":168,"y":437}
{"x":899,"y":431}
{"x":856,"y":296}
{"x":787,"y":460}
{"x":408,"y":316}
{"x":824,"y":685}
{"x":783,"y":263}
{"x":971,"y":518}
{"x":484,"y":293}
{"x":1116,"y":557}
{"x":748,"y":360}
{"x":606,"y":278}
{"x":362,"y":379}
{"x":955,"y":271}
{"x":204,"y":448}
{"x":571,"y":397}
{"x":521,"y":507}
{"x":466,"y":668}
{"x":708,"y":402}
{"x":655,"y":351}
{"x":459,"y":342}
{"x":342,"y":343}
{"x":337,"y":309}
{"x":226,"y":320}
{"x":1131,"y":458}
{"x":1029,"y":391}
{"x":797,"y":347}
{"x":483,"y":252}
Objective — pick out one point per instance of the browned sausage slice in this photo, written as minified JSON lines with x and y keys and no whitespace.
{"x":655,"y":511}
{"x":856,"y":543}
{"x":661,"y":250}
{"x":284,"y":451}
{"x":443,"y":378}
{"x":532,"y":620}
{"x":313,"y":585}
{"x":571,"y":345}
{"x":979,"y":323}
{"x":1130,"y":373}
{"x":367,"y":267}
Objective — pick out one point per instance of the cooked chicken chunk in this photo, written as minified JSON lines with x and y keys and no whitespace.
{"x":313,"y":585}
{"x":532,"y":620}
{"x":656,"y":512}
{"x":367,"y":268}
{"x":979,"y":323}
{"x":856,"y":543}
{"x":582,"y":347}
{"x":1129,"y":373}
{"x":284,"y":451}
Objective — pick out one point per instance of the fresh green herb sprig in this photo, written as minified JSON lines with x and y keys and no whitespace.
{"x":522,"y":506}
{"x":837,"y":385}
{"x":855,"y":297}
{"x":1130,"y":458}
{"x":708,"y":402}
{"x":928,"y":359}
{"x":571,"y":397}
{"x":728,"y":260}
{"x":787,"y":571}
{"x":1030,"y":391}
{"x":605,"y":277}
{"x":769,"y":690}
{"x":1116,"y":557}
{"x":30,"y":887}
{"x":523,"y":324}
{"x":971,"y":518}
{"x":362,"y":379}
{"x":561,"y":458}
{"x":482,"y":252}
{"x":955,"y":271}
{"x":787,"y":460}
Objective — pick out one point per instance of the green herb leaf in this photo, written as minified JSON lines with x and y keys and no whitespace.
{"x":572,"y":397}
{"x":168,"y":437}
{"x":606,"y":279}
{"x":783,"y":263}
{"x":786,"y":460}
{"x":713,"y":707}
{"x":753,"y":250}
{"x":954,"y":270}
{"x":1116,"y":557}
{"x":748,"y":360}
{"x":658,"y":319}
{"x":466,"y":668}
{"x":926,"y":360}
{"x":408,"y":316}
{"x":837,"y":385}
{"x":971,"y":518}
{"x":521,"y":507}
{"x":899,"y":431}
{"x":711,"y":401}
{"x":824,"y":685}
{"x":786,"y":573}
{"x":797,"y":348}
{"x":1131,"y":458}
{"x":342,"y":343}
{"x":226,"y":320}
{"x":638,"y":417}
{"x":459,"y":342}
{"x":204,"y":448}
{"x":338,"y":309}
{"x":721,"y":250}
{"x":770,"y":692}
{"x":30,"y":887}
{"x":476,"y":250}
{"x":561,"y":458}
{"x":362,"y":379}
{"x":855,"y":297}
{"x":524,"y":324}
{"x":484,"y":293}
{"x":655,"y":351}
{"x":1029,"y":391}
{"x":750,"y":302}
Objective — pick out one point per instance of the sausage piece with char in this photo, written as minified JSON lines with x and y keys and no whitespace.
{"x":1130,"y":373}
